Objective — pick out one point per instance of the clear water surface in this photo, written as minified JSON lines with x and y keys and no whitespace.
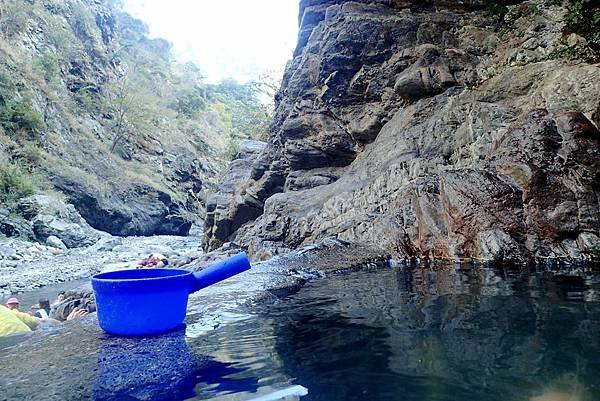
{"x":406,"y":334}
{"x":417,"y":334}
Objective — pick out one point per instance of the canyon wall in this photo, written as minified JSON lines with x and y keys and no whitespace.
{"x":94,"y":111}
{"x":440,"y":129}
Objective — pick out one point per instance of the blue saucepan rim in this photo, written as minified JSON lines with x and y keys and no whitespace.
{"x":160,"y":275}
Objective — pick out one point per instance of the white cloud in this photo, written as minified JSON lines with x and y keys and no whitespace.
{"x":238,"y":39}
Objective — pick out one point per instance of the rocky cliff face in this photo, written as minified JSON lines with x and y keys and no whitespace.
{"x":430,"y":129}
{"x":100,"y":112}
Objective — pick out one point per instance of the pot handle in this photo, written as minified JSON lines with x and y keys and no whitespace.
{"x":220,"y":271}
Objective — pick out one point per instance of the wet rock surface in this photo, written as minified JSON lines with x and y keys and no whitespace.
{"x":76,"y":360}
{"x":100,"y":366}
{"x":427,"y":134}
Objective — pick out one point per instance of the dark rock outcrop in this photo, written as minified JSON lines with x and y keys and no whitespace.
{"x":219,"y":223}
{"x":15,"y":226}
{"x":418,"y":128}
{"x":137,"y":210}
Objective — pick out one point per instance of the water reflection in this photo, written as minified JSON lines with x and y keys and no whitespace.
{"x":449,"y":334}
{"x":161,"y":368}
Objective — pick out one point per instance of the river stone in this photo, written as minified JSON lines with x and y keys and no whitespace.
{"x":6,"y":252}
{"x":71,"y":234}
{"x":55,"y":242}
{"x":82,"y":298}
{"x":107,"y":243}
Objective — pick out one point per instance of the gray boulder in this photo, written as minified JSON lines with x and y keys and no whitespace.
{"x":52,"y":217}
{"x":55,"y":242}
{"x":16,"y":226}
{"x":136,"y":209}
{"x":6,"y":252}
{"x":71,"y":234}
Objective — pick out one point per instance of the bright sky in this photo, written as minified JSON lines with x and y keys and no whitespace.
{"x":238,"y":39}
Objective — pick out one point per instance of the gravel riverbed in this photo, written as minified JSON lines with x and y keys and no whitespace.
{"x":25,"y":266}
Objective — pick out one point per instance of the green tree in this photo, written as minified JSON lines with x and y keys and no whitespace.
{"x":245,"y":109}
{"x":130,"y":110}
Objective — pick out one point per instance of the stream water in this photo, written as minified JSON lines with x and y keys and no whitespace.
{"x":451,"y":334}
{"x":419,"y":334}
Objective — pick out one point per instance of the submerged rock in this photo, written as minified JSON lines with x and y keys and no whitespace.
{"x":82,"y":298}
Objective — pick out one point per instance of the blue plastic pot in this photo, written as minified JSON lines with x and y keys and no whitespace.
{"x":152,"y":301}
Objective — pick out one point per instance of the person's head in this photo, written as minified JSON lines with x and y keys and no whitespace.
{"x":13,"y":303}
{"x":44,"y":303}
{"x":160,"y":260}
{"x":61,"y":296}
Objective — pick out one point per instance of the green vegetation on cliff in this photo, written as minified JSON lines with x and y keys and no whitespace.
{"x":582,"y":19}
{"x":15,"y":183}
{"x":92,"y":104}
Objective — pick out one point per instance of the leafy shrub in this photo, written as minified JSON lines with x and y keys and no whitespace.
{"x":90,"y":100}
{"x":68,"y":46}
{"x":30,"y":153}
{"x":241,"y":109}
{"x":13,"y":19}
{"x":15,"y":183}
{"x":7,"y":86}
{"x":21,"y":119}
{"x":85,"y":29}
{"x":191,"y":101}
{"x":47,"y":65}
{"x":505,"y":18}
{"x":497,"y":12}
{"x":232,"y":147}
{"x":571,"y":52}
{"x":200,"y":145}
{"x":582,"y":18}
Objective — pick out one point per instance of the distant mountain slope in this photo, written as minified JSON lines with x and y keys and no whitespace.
{"x":92,"y":108}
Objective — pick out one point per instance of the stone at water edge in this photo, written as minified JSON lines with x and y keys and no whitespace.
{"x":6,"y":252}
{"x":55,"y":242}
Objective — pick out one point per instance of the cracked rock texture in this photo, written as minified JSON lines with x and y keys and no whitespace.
{"x":422,"y":129}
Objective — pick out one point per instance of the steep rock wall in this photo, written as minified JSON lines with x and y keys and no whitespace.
{"x":422,"y":128}
{"x":93,"y":106}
